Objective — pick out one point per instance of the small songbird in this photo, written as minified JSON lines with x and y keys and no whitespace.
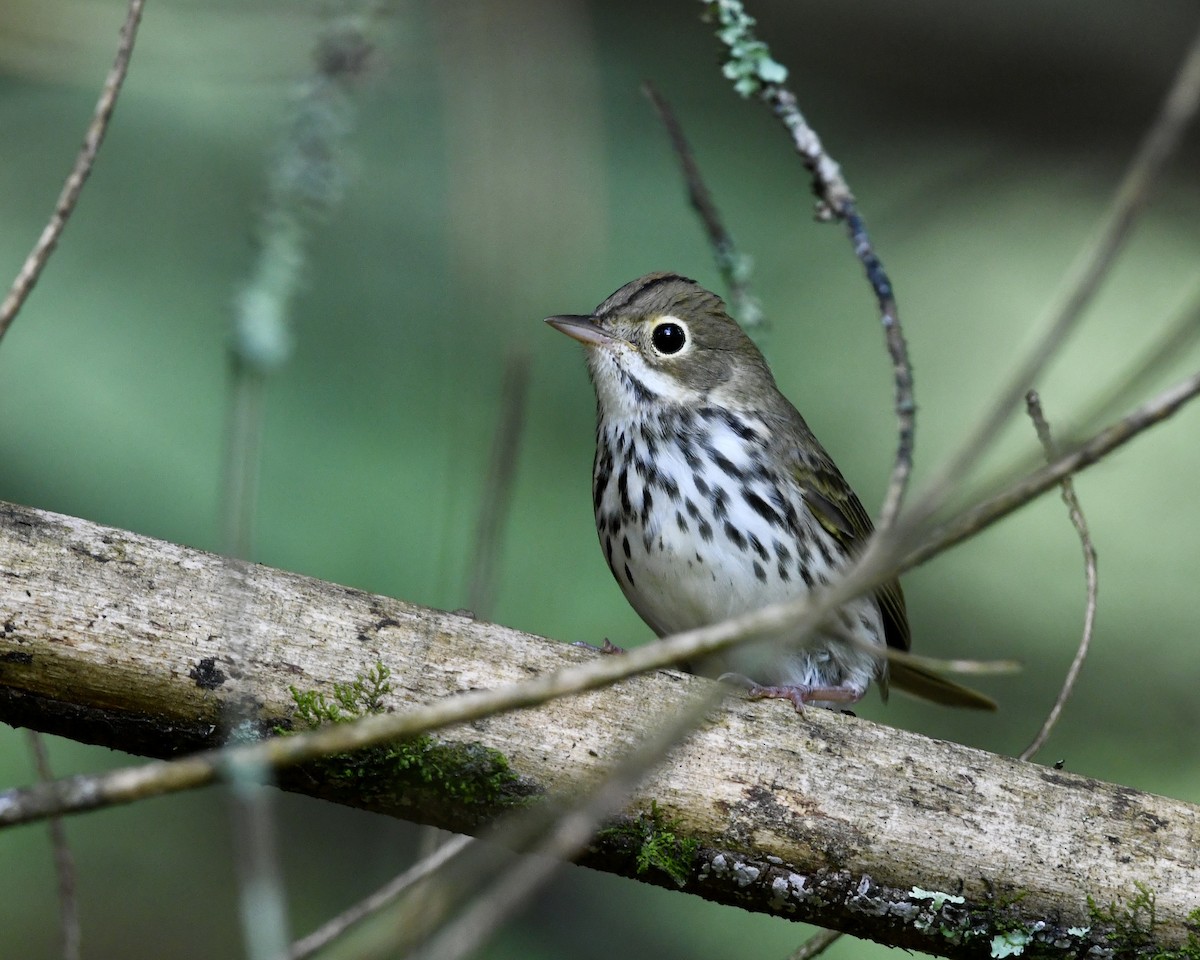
{"x":713,"y":498}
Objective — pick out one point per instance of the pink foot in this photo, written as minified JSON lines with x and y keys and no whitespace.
{"x":608,"y":648}
{"x":799,"y":694}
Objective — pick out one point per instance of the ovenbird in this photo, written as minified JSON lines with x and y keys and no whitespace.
{"x":713,"y":498}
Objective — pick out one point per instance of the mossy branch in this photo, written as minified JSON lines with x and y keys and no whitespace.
{"x":107,"y":636}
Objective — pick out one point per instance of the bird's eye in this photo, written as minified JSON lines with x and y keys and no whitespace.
{"x":668,"y":338}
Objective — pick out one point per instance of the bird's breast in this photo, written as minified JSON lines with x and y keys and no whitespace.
{"x":697,"y":524}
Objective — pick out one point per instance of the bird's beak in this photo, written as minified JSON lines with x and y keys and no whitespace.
{"x":583,"y":329}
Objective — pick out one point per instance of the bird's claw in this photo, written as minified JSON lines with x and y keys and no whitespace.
{"x":799,"y":694}
{"x":608,"y":649}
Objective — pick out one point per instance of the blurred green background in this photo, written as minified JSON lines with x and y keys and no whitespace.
{"x":504,"y":167}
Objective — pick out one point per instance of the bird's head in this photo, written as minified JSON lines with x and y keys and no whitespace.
{"x":665,"y":339}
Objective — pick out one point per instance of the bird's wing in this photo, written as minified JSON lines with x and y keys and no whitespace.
{"x":841,"y":513}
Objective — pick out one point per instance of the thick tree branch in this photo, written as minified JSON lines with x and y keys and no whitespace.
{"x":110,"y":637}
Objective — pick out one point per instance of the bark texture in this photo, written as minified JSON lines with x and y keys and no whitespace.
{"x":114,"y":638}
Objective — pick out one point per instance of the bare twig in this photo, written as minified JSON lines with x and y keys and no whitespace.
{"x":551,"y":830}
{"x":498,"y":484}
{"x":243,"y":443}
{"x":733,"y":266}
{"x":905,"y":404}
{"x":1090,"y":451}
{"x":1179,"y":336}
{"x":64,"y":861}
{"x":22,"y":286}
{"x":1090,"y":269}
{"x":816,"y":945}
{"x":86,"y":792}
{"x":493,"y":514}
{"x":36,"y":261}
{"x":382,"y":898}
{"x":753,"y":71}
{"x":1034,"y":404}
{"x":304,"y":185}
{"x":565,"y":835}
{"x":261,"y":901}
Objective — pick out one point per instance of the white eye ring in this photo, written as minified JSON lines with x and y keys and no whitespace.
{"x":669,"y":336}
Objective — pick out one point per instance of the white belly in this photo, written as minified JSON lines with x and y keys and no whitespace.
{"x":694,"y":546}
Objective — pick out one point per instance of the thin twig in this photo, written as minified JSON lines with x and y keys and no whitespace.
{"x":22,"y":286}
{"x":305,"y":183}
{"x":733,"y":266}
{"x":1179,"y":336}
{"x":262,"y":904}
{"x":498,"y":484}
{"x":975,"y":518}
{"x":32,"y":268}
{"x":382,"y":898}
{"x":553,"y":829}
{"x":1034,"y":404}
{"x":64,"y":860}
{"x":91,"y":791}
{"x":261,"y":900}
{"x":902,"y":375}
{"x":243,"y":445}
{"x":563,"y":836}
{"x":1090,"y":269}
{"x":754,"y":71}
{"x":1174,"y":341}
{"x":816,"y":945}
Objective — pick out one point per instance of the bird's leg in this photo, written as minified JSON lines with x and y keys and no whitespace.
{"x":798,"y":694}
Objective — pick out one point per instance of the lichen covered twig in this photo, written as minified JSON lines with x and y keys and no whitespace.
{"x":755,"y":72}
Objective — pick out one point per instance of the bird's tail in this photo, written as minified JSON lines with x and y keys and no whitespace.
{"x":932,"y":686}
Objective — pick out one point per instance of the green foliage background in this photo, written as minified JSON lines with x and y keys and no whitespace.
{"x":504,"y":168}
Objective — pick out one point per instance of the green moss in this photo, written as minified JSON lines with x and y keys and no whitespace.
{"x":383,"y":775}
{"x":656,"y":844}
{"x":363,"y":696}
{"x":1132,"y":927}
{"x":386,"y":775}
